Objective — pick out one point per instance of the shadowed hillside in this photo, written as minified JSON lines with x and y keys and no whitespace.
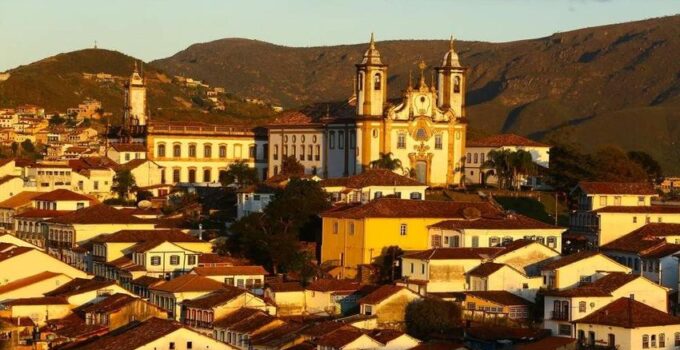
{"x":616,"y":84}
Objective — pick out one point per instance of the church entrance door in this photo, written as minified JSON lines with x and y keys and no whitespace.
{"x":421,"y":171}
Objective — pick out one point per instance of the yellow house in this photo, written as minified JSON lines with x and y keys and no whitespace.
{"x":32,"y":286}
{"x":239,"y":327}
{"x":38,"y":309}
{"x":372,"y":184}
{"x":481,"y":305}
{"x":16,"y":204}
{"x":628,"y":324}
{"x":492,"y":276}
{"x":10,"y":185}
{"x":249,"y":277}
{"x":8,"y":239}
{"x":570,"y":270}
{"x":356,"y":235}
{"x":118,"y":310}
{"x":562,"y":307}
{"x":81,"y":291}
{"x":21,"y":262}
{"x":289,"y":297}
{"x":388,"y":303}
{"x":172,"y":293}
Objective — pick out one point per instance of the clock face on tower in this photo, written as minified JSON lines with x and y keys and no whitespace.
{"x":421,"y":104}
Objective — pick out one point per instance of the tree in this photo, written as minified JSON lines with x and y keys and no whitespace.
{"x":428,"y":318}
{"x":28,"y":146}
{"x":241,"y":174}
{"x":291,"y":167}
{"x":15,"y":148}
{"x":648,"y":163}
{"x":272,"y":238}
{"x":522,"y":165}
{"x":389,"y":271}
{"x":568,"y":166}
{"x":613,"y":165}
{"x":386,"y":161}
{"x":123,"y":183}
{"x":56,"y":119}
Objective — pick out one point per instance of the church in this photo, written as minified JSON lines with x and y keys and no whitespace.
{"x":425,"y":130}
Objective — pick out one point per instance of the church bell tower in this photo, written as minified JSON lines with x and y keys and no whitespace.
{"x":135,"y":100}
{"x":371,"y":83}
{"x":451,"y":83}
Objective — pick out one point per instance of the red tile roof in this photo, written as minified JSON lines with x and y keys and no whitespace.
{"x":7,"y":178}
{"x":340,"y":338}
{"x":8,"y":254}
{"x":62,"y":195}
{"x":131,"y":236}
{"x":98,"y":214}
{"x":383,"y":292}
{"x":485,"y":269}
{"x":20,"y":199}
{"x":602,"y":287}
{"x":237,"y":316}
{"x":406,"y":208}
{"x":333,"y":285}
{"x":454,"y":254}
{"x":207,"y":260}
{"x":371,"y":177}
{"x":79,"y":286}
{"x":628,"y":313}
{"x":188,"y":283}
{"x":27,"y":281}
{"x":282,"y":287}
{"x":133,"y":337}
{"x":547,"y":343}
{"x":648,"y":241}
{"x":112,"y":303}
{"x":652,"y":209}
{"x":36,"y":301}
{"x":632,"y":188}
{"x":505,"y":140}
{"x":42,"y":213}
{"x":500,"y":297}
{"x":230,"y":270}
{"x":496,"y":222}
{"x":129,"y":147}
{"x":147,"y":281}
{"x":215,"y":298}
{"x":385,"y":335}
{"x":569,"y":259}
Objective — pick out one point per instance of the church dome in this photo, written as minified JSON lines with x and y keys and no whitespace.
{"x":451,"y":57}
{"x":372,"y":55}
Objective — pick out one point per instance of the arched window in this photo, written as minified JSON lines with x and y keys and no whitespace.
{"x":223,"y":151}
{"x":161,"y":150}
{"x":206,"y":175}
{"x":302,"y":152}
{"x":176,"y":150}
{"x":207,"y":150}
{"x":192,"y":151}
{"x":377,"y":81}
{"x":456,"y":84}
{"x":581,"y":306}
{"x":309,"y":152}
{"x":276,"y":152}
{"x":317,"y":156}
{"x":645,"y":341}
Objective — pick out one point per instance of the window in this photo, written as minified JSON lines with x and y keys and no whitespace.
{"x":335,"y":227}
{"x":223,"y":151}
{"x":80,"y":205}
{"x":403,"y":229}
{"x":603,"y":201}
{"x":416,"y":195}
{"x":481,"y":158}
{"x":317,"y":156}
{"x":552,"y":242}
{"x":155,"y":260}
{"x":564,"y":329}
{"x":360,"y":82}
{"x":174,"y":259}
{"x":252,"y":151}
{"x":377,"y":194}
{"x":436,"y":241}
{"x":476,"y":155}
{"x":677,"y":338}
{"x":175,"y":175}
{"x":302,"y":152}
{"x":368,"y":310}
{"x":172,"y":345}
{"x":475,"y":241}
{"x":653,"y":340}
{"x":494,"y":241}
{"x":206,"y":175}
{"x":469,"y":158}
{"x":641,"y":201}
{"x":192,"y":151}
{"x":341,"y":139}
{"x":176,"y":151}
{"x":412,"y":267}
{"x":161,"y":150}
{"x":190,"y":345}
{"x":456,"y":84}
{"x":401,"y":141}
{"x":582,"y":306}
{"x":96,"y":185}
{"x":438,"y":142}
{"x":331,"y":139}
{"x":127,"y":156}
{"x":422,"y":269}
{"x":207,"y":151}
{"x":635,"y":219}
{"x":376,"y":81}
{"x":351,"y":228}
{"x":617,"y":200}
{"x":310,"y":152}
{"x":276,"y":152}
{"x":662,"y":340}
{"x":191,"y":260}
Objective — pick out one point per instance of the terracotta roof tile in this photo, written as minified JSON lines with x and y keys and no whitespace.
{"x":8,"y":254}
{"x":147,"y":281}
{"x":112,"y":303}
{"x":633,"y":188}
{"x":7,"y":178}
{"x":79,"y":286}
{"x":129,"y":147}
{"x":134,"y":336}
{"x":604,"y":286}
{"x":547,"y":343}
{"x":500,"y":297}
{"x":207,"y":260}
{"x":189,"y":283}
{"x":371,"y":177}
{"x":230,"y":270}
{"x":648,"y":241}
{"x":496,"y":222}
{"x":334,"y":285}
{"x":215,"y":298}
{"x":569,"y":259}
{"x":385,"y":335}
{"x":42,"y":213}
{"x":628,"y":313}
{"x":27,"y":281}
{"x":37,"y":301}
{"x":98,"y":214}
{"x":340,"y":338}
{"x":407,"y":208}
{"x":282,"y":287}
{"x":485,"y":269}
{"x":19,"y":200}
{"x":380,"y":294}
{"x":505,"y":140}
{"x":62,"y":195}
{"x":278,"y":336}
{"x":130,"y":236}
{"x":455,"y":253}
{"x":236,"y":316}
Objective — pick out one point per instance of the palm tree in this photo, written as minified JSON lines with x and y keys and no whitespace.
{"x":522,"y":164}
{"x":509,"y":166}
{"x":386,"y":161}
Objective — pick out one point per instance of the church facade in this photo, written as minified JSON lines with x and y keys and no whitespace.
{"x":425,"y":130}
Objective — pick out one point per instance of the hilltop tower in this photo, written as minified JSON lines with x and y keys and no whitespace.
{"x":135,"y":100}
{"x":451,"y":83}
{"x":371,"y":81}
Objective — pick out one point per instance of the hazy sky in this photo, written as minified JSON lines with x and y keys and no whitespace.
{"x":148,"y":29}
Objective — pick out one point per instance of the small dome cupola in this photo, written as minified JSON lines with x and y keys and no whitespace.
{"x":451,"y":57}
{"x":372,"y":55}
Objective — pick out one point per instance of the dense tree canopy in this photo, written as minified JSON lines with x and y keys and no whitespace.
{"x":510,"y":166}
{"x":291,"y":166}
{"x":123,"y":183}
{"x":387,"y":161}
{"x":241,"y":174}
{"x":428,"y":318}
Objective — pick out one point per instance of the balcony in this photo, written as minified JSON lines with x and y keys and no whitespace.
{"x":559,"y":315}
